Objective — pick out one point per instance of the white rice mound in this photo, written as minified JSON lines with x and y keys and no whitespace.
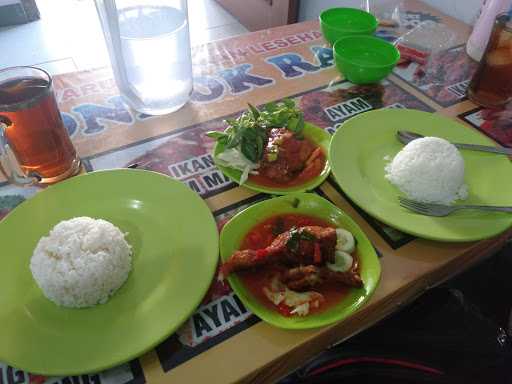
{"x":82,"y":262}
{"x":429,"y":170}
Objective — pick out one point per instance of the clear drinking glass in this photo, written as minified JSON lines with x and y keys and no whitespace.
{"x":491,"y":85}
{"x":34,"y":144}
{"x":149,"y":47}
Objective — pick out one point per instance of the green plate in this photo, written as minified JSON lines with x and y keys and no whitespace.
{"x":312,"y":132}
{"x":309,"y":204}
{"x":170,"y":275}
{"x":357,"y":156}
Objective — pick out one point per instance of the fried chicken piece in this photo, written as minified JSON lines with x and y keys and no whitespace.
{"x":284,"y":156}
{"x":300,"y":249}
{"x":298,"y":246}
{"x":302,"y":277}
{"x":306,"y":277}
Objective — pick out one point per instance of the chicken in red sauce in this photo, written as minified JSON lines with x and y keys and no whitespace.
{"x":298,"y":246}
{"x":285,"y":155}
{"x":294,"y":265}
{"x":270,"y":146}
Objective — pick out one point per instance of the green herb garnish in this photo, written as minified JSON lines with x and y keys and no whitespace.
{"x":295,"y":237}
{"x":249,"y":131}
{"x":278,"y":227}
{"x":305,"y":235}
{"x":293,"y":241}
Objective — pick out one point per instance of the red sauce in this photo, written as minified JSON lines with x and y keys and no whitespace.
{"x":309,"y":173}
{"x":260,"y":236}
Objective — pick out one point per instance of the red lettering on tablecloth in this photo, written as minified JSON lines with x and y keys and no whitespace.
{"x":281,"y":43}
{"x":107,"y":84}
{"x":89,"y":89}
{"x":238,"y":53}
{"x":293,"y":40}
{"x":256,"y":49}
{"x":69,"y":94}
{"x":305,"y":37}
{"x":269,"y":45}
{"x":286,"y":41}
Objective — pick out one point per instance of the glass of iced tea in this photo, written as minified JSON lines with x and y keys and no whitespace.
{"x":491,"y":86}
{"x":34,"y":144}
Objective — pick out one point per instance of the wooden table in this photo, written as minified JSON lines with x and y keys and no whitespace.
{"x":291,"y":61}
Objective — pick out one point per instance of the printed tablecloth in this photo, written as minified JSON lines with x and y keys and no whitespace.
{"x":291,"y":61}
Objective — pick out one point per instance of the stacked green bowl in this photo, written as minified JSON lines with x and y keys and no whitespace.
{"x":336,"y":23}
{"x":359,"y":56}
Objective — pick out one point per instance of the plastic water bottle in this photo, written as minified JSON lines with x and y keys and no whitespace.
{"x":149,"y":48}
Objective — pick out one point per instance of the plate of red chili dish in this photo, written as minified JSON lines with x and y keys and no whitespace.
{"x":298,"y":261}
{"x":273,"y":150}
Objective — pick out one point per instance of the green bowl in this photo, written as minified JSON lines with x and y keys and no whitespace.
{"x":365,"y":59}
{"x":309,"y":204}
{"x":336,"y":23}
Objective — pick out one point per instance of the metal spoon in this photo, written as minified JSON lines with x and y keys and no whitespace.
{"x":406,"y":137}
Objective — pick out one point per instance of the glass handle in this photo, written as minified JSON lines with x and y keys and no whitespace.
{"x":10,"y":164}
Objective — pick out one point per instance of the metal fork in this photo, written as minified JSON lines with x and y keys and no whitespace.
{"x":406,"y":137}
{"x":431,"y":209}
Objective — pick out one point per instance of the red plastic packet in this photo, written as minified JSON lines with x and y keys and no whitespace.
{"x":408,"y":53}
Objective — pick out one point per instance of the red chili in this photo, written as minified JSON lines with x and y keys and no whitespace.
{"x":284,"y":310}
{"x":261,"y":253}
{"x":317,"y":256}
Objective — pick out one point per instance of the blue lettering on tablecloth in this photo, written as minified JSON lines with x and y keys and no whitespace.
{"x":70,"y":123}
{"x":324,"y":56}
{"x":240,"y":80}
{"x":92,"y":113}
{"x":292,"y":65}
{"x":213,"y":88}
{"x":144,"y":116}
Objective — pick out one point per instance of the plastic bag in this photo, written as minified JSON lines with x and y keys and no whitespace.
{"x":389,"y":14}
{"x":424,"y":41}
{"x":386,"y":11}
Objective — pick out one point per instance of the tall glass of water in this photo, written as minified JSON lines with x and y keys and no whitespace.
{"x":149,"y":47}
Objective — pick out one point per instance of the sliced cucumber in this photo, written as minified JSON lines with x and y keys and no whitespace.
{"x":342,"y":262}
{"x":346,"y":241}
